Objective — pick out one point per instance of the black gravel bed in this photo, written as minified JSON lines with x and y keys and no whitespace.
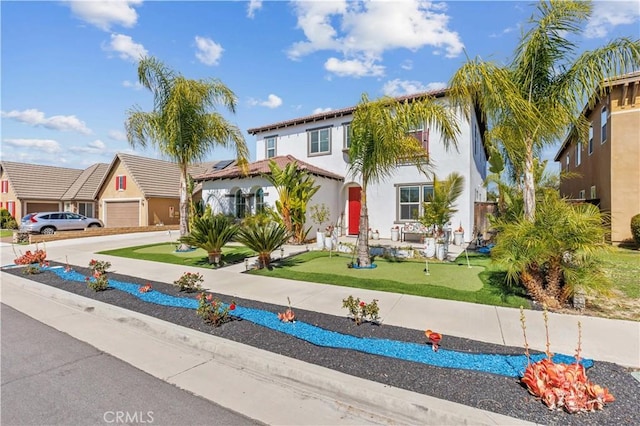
{"x":486,"y":391}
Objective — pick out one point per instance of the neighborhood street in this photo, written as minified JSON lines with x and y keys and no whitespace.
{"x":48,"y":377}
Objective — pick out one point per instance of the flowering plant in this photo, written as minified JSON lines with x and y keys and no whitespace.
{"x":190,"y":281}
{"x":288,"y":315}
{"x":213,"y":311}
{"x":29,"y":257}
{"x":99,"y":268}
{"x":562,"y":386}
{"x":145,"y":288}
{"x":32,"y":269}
{"x":360,"y":311}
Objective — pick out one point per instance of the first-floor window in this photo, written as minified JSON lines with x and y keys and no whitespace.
{"x":411,"y":199}
{"x":241,"y":204}
{"x":86,"y":209}
{"x":593,"y":194}
{"x":11,"y":207}
{"x":259,"y":200}
{"x":581,"y":194}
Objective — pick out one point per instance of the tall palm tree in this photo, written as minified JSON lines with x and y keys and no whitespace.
{"x":380,"y":141}
{"x":534,"y":100}
{"x":183,"y":124}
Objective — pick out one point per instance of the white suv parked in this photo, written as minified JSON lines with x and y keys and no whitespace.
{"x":50,"y":222}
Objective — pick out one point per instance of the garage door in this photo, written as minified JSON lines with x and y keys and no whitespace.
{"x":42,"y":207}
{"x":122,"y":214}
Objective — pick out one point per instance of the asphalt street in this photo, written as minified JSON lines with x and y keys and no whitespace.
{"x":48,"y":377}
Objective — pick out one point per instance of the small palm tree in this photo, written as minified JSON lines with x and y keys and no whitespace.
{"x":210,"y":233}
{"x":439,"y":207}
{"x":557,"y":252}
{"x":264,"y":239}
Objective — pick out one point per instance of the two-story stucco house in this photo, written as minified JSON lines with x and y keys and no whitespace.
{"x":606,"y":169}
{"x":322,"y":141}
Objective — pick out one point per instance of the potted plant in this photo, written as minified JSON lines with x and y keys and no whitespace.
{"x":458,"y":236}
{"x":429,"y":243}
{"x":376,"y":235}
{"x":439,"y":207}
{"x":329,"y":236}
{"x":319,"y":215}
{"x":395,"y":233}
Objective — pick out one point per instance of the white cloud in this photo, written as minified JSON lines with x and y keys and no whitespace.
{"x":321,"y":110}
{"x":117,"y":135}
{"x":126,"y":47}
{"x":132,"y":85}
{"x":607,"y":15}
{"x":95,"y":147}
{"x":252,"y":7}
{"x":47,"y":145}
{"x":209,"y":52}
{"x":34,"y":117}
{"x":273,"y":101}
{"x":407,"y":65}
{"x":104,"y":14}
{"x":354,"y":67}
{"x":360,"y":30}
{"x":399,"y":87}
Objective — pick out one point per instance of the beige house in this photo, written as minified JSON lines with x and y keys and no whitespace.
{"x":28,"y":188}
{"x":140,"y":191}
{"x":132,"y":191}
{"x":608,"y":165}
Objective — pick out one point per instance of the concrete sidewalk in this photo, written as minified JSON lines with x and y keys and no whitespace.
{"x":606,"y":340}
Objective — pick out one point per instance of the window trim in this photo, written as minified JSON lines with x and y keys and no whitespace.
{"x":319,"y":129}
{"x":591,"y":139}
{"x":273,"y":138}
{"x":259,"y":200}
{"x":4,"y":184}
{"x":581,"y":194}
{"x":592,"y":193}
{"x":121,"y":182}
{"x":578,"y":153}
{"x":346,"y":136}
{"x":421,"y":201}
{"x":85,"y":204}
{"x":238,"y":201}
{"x":603,"y":124}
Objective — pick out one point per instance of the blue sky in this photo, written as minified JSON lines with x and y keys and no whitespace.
{"x":69,"y":67}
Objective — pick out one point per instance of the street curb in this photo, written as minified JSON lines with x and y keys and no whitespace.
{"x":374,"y":400}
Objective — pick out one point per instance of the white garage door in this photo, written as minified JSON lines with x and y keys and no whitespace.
{"x":122,"y":214}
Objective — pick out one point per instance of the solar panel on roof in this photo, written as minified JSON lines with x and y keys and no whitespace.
{"x":222,"y":164}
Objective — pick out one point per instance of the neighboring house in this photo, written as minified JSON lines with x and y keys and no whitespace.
{"x":608,"y":165}
{"x":28,"y":188}
{"x":322,"y":141}
{"x":238,"y":193}
{"x":140,"y":191}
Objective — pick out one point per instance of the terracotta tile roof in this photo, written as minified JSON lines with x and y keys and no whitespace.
{"x":86,"y":185}
{"x":336,"y":113}
{"x":160,"y":178}
{"x":35,"y":181}
{"x":262,"y":167}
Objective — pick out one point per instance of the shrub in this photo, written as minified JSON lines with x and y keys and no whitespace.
{"x":213,"y":311}
{"x":360,"y":311}
{"x":7,"y":221}
{"x":190,"y":281}
{"x":635,"y":228}
{"x":98,"y":280}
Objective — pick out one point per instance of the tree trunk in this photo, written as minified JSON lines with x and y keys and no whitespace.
{"x":184,"y":228}
{"x":529,"y":189}
{"x":364,"y":258}
{"x":532,"y":282}
{"x":214,"y":256}
{"x":264,"y":259}
{"x":554,"y":279}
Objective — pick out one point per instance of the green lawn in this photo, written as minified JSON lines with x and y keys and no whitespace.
{"x":6,"y":233}
{"x":455,"y":281}
{"x":166,"y":252}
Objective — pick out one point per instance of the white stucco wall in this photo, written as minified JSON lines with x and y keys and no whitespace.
{"x":382,"y":198}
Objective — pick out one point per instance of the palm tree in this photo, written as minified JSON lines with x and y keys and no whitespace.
{"x":533,"y":101}
{"x":439,"y":207}
{"x":555,"y":253}
{"x":295,"y":189}
{"x":183,"y":124}
{"x":264,"y":239}
{"x":211,"y":232}
{"x":380,"y":141}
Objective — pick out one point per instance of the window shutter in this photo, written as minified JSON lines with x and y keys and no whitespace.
{"x":425,"y":140}
{"x":117,"y":180}
{"x":124,"y":182}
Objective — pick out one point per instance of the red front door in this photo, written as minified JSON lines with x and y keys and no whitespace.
{"x":354,"y":210}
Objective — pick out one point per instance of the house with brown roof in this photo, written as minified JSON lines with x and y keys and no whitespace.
{"x":607,"y":165}
{"x":28,"y":188}
{"x":322,"y":141}
{"x":241,"y":192}
{"x":140,"y":191}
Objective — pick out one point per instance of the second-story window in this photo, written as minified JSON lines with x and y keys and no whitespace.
{"x":270,"y":144}
{"x":319,"y":141}
{"x":603,"y":125}
{"x":591,"y":139}
{"x":578,"y":153}
{"x":566,"y":166}
{"x":121,"y":183}
{"x":347,"y":135}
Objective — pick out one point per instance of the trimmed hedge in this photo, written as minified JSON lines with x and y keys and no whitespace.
{"x":635,"y":228}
